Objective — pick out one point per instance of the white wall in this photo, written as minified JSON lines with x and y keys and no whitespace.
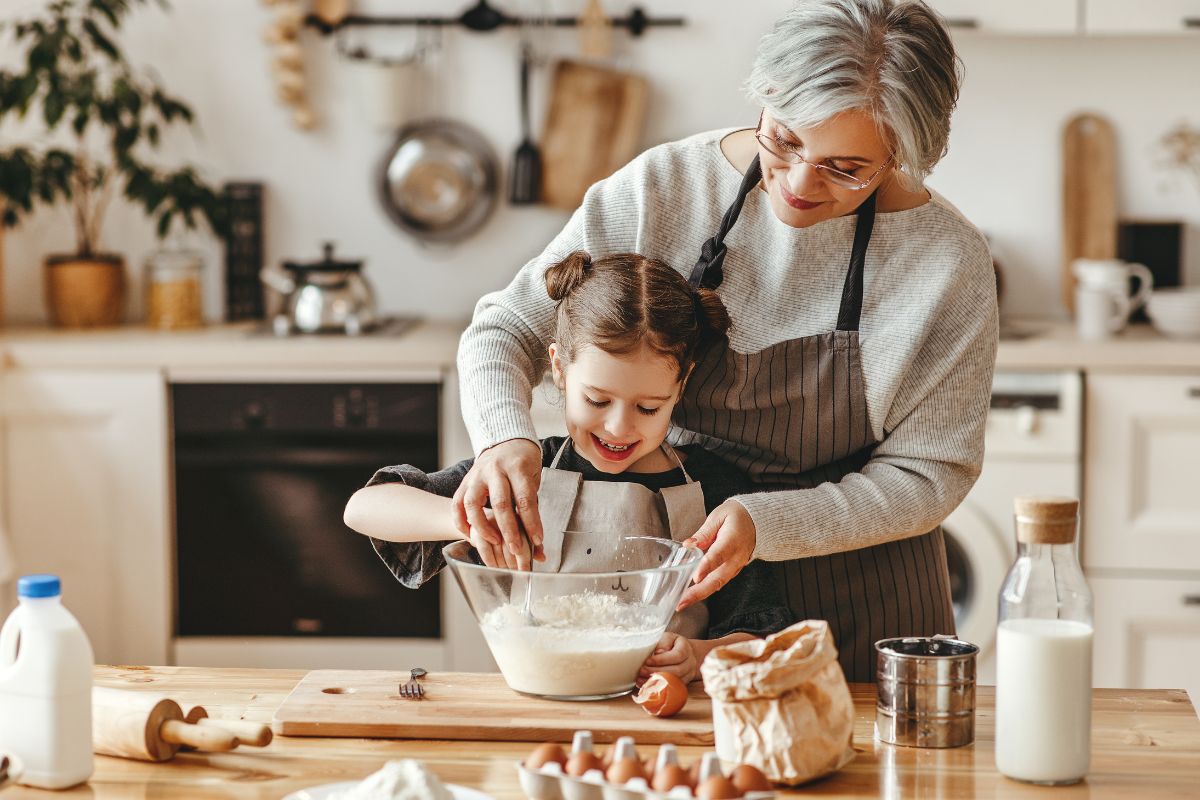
{"x":1002,"y":171}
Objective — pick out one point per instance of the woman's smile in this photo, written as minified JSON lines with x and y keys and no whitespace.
{"x":796,"y":202}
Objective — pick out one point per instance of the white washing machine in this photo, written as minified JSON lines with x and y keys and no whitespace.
{"x":1033,"y":447}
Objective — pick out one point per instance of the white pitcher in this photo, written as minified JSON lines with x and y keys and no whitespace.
{"x":1102,"y":298}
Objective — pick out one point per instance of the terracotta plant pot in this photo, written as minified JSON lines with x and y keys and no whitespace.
{"x":85,"y":292}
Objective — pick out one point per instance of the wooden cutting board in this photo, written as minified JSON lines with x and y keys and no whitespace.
{"x":593,"y":128}
{"x":1089,"y":195}
{"x":472,"y":705}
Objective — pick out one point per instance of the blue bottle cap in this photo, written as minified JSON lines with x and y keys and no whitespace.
{"x":39,"y":586}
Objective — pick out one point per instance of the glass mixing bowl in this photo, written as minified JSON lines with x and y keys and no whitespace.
{"x":578,"y":635}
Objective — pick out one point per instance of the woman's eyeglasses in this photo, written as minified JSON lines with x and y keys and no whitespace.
{"x":789,"y":154}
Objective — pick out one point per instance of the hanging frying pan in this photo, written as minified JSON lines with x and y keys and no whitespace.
{"x":440,"y":180}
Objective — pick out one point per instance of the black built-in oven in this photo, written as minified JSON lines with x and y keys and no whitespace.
{"x":262,"y":474}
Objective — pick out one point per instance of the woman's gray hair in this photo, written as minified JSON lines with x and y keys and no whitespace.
{"x":892,"y":58}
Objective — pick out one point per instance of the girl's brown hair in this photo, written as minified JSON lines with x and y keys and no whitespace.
{"x":623,"y":302}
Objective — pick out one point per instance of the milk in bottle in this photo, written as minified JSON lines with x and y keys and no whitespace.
{"x":1044,"y":650}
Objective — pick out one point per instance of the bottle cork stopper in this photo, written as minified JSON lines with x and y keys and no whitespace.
{"x":1045,"y":519}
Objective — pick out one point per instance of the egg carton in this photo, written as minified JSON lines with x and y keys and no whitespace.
{"x":550,"y":782}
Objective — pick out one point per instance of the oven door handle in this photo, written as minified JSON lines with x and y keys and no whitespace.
{"x":285,"y":456}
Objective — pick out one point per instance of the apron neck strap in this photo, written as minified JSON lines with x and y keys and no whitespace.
{"x":852,"y":291}
{"x":707,"y":273}
{"x":558,"y":456}
{"x":667,"y":450}
{"x":671,"y":454}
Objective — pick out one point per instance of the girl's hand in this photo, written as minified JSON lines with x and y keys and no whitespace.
{"x":727,"y":538}
{"x":674,"y":653}
{"x":506,"y":477}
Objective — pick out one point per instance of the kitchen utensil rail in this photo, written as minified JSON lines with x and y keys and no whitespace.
{"x":483,"y":17}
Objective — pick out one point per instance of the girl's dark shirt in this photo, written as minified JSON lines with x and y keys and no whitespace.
{"x":752,"y":602}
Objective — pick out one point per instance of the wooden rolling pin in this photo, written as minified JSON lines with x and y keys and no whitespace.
{"x":254,"y":734}
{"x":148,"y":727}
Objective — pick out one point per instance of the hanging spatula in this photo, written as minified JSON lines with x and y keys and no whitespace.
{"x":526,"y":178}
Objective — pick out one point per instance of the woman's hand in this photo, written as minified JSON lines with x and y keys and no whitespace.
{"x":506,"y":477}
{"x":727,"y":538}
{"x":674,"y":653}
{"x":497,"y":555}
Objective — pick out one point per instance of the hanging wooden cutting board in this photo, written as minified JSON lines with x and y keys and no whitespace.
{"x":472,"y":705}
{"x":593,"y":128}
{"x":1089,"y":195}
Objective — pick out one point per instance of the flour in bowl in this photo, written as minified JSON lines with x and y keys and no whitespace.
{"x":404,"y":779}
{"x":582,"y":644}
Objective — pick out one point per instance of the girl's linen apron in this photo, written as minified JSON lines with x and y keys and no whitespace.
{"x":583,"y":522}
{"x":794,"y":416}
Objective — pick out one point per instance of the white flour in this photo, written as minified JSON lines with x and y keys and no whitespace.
{"x":405,"y":779}
{"x":583,"y":644}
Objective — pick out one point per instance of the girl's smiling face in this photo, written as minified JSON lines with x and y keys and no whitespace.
{"x":618,"y":407}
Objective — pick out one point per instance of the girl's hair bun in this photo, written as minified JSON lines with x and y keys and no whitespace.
{"x":566,"y":276}
{"x":711,"y":312}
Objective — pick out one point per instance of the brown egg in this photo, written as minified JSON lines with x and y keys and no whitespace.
{"x":625,"y":769}
{"x":669,"y":777}
{"x":749,"y":779}
{"x":663,"y":694}
{"x":717,"y":788}
{"x":545,"y":753}
{"x":579,"y":763}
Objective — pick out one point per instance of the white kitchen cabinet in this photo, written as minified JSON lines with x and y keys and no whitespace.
{"x":1146,"y":17}
{"x":1147,"y":633}
{"x":1054,"y":17}
{"x":85,"y":496}
{"x":1141,"y":479}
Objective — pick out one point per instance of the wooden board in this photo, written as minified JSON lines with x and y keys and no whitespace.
{"x":1144,"y":745}
{"x":593,"y":128}
{"x":472,"y":705}
{"x":1089,"y":195}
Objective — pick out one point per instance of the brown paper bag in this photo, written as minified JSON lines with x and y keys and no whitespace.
{"x":782,"y":704}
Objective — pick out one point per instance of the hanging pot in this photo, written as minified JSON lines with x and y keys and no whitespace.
{"x":439,"y":181}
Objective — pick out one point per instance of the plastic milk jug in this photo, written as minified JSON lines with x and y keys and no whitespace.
{"x":46,"y":687}
{"x":1044,"y":650}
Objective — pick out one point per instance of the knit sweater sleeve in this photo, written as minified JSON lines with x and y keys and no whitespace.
{"x":502,"y":354}
{"x":932,"y":449}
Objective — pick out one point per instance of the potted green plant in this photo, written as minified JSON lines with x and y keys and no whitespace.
{"x":74,"y":76}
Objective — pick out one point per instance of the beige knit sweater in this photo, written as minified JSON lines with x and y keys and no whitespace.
{"x":928,"y":333}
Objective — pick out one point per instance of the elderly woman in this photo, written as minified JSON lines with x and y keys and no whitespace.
{"x":854,"y":384}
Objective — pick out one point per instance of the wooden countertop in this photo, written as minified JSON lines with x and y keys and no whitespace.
{"x":432,"y":344}
{"x":1145,"y":744}
{"x":1042,"y":345}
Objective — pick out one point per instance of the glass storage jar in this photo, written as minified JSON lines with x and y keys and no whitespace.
{"x":173,"y":295}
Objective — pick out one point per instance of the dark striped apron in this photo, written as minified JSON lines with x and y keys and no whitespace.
{"x":794,"y":416}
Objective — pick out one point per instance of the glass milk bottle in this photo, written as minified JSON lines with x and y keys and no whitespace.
{"x":1044,"y":649}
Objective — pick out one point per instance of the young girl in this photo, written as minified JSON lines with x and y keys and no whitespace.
{"x":627,"y":336}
